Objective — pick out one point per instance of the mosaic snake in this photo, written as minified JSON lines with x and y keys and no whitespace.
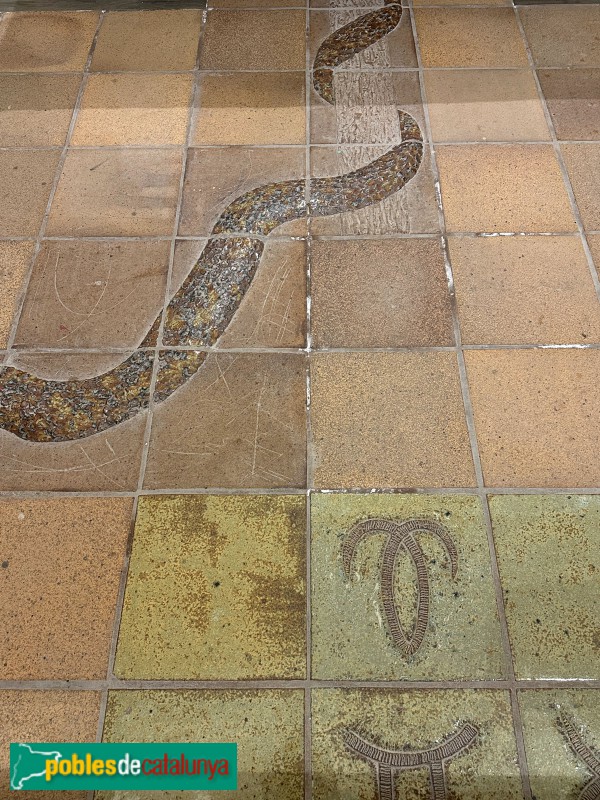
{"x":42,"y":410}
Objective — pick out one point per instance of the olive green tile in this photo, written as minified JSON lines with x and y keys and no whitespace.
{"x":556,"y":723}
{"x":549,"y":557}
{"x":268,"y":726}
{"x":462,"y":638}
{"x":407,"y":721}
{"x":216,"y":589}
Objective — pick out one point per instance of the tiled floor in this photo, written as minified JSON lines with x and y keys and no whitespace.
{"x":185,"y":540}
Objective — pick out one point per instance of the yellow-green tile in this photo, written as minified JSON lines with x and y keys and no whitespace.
{"x":350,"y":634}
{"x":216,"y":589}
{"x":549,"y":557}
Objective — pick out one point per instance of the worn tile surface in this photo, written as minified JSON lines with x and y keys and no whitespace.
{"x":563,"y":35}
{"x":583,"y":166}
{"x":14,"y":263}
{"x":573,"y":98}
{"x":26,"y":177}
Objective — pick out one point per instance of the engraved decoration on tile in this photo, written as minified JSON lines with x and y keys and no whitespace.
{"x":41,"y":410}
{"x":387,"y":763}
{"x":400,"y":536}
{"x":575,"y":740}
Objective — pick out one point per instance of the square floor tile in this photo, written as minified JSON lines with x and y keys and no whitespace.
{"x":536,"y":416}
{"x":134,"y":110}
{"x":14,"y":263}
{"x":388,"y":420}
{"x":476,"y":105}
{"x":60,"y":596}
{"x":594,"y":243}
{"x":561,"y":731}
{"x":524,"y":290}
{"x":36,"y":110}
{"x":502,"y":188}
{"x":270,"y":40}
{"x":563,"y":35}
{"x":251,"y":108}
{"x":239,"y":422}
{"x":93,"y":294}
{"x":26,"y":178}
{"x":350,"y":722}
{"x":353,"y":633}
{"x":267,"y":724}
{"x":469,"y":37}
{"x":48,"y":42}
{"x":273,"y":311}
{"x":583,"y":166}
{"x":148,"y":40}
{"x":116,"y":193}
{"x":573,"y":98}
{"x":379,"y":293}
{"x":549,"y":555}
{"x":45,"y":716}
{"x":216,"y":589}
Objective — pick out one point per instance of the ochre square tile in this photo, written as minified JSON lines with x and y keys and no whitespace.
{"x":59,"y":596}
{"x":388,"y":420}
{"x":267,"y":724}
{"x":93,"y":294}
{"x":469,"y":37}
{"x":216,"y":589}
{"x":524,"y":290}
{"x":116,"y":193}
{"x":573,"y":99}
{"x":353,"y":638}
{"x":239,"y":422}
{"x":270,"y":40}
{"x":14,"y":262}
{"x":563,"y":36}
{"x":148,"y":40}
{"x":583,"y":166}
{"x":556,"y":723}
{"x":134,"y":109}
{"x":536,"y":416}
{"x":379,"y":293}
{"x":549,"y":556}
{"x":476,"y":105}
{"x":45,"y":716}
{"x":36,"y":110}
{"x":502,"y":188}
{"x":251,"y":108}
{"x":26,"y":178}
{"x":408,"y":721}
{"x":46,"y":42}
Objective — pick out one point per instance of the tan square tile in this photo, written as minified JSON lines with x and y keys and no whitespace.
{"x":48,"y":42}
{"x":573,"y":99}
{"x":463,"y":3}
{"x":148,"y":40}
{"x":536,"y":416}
{"x":469,"y":37}
{"x":502,"y":188}
{"x":270,"y":40}
{"x":45,"y":716}
{"x":36,"y":110}
{"x":134,"y":109}
{"x":524,"y":290}
{"x":60,"y":596}
{"x":583,"y":166}
{"x":251,"y":108}
{"x":240,"y":422}
{"x":379,"y":293}
{"x":388,"y":420}
{"x":594,"y":243}
{"x":549,"y":555}
{"x":563,"y":36}
{"x":116,"y":193}
{"x":93,"y":294}
{"x":26,"y":178}
{"x":14,"y":262}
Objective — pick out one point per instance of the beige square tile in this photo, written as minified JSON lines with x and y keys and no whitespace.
{"x":36,"y":110}
{"x":583,"y":166}
{"x":503,"y":188}
{"x":573,"y":98}
{"x":536,"y":416}
{"x":26,"y":177}
{"x":563,"y":35}
{"x":15,"y":258}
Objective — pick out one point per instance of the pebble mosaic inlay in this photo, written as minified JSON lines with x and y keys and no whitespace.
{"x":575,"y":740}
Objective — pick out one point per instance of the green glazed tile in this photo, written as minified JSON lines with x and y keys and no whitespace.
{"x":351,"y":633}
{"x":268,"y":726}
{"x":483,"y":763}
{"x":549,"y":557}
{"x":216,"y":589}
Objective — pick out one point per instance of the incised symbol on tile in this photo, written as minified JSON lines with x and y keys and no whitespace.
{"x":573,"y":736}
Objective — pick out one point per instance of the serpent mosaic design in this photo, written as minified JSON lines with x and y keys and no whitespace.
{"x":387,"y":763}
{"x":573,"y":736}
{"x":41,"y":410}
{"x":401,"y":536}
